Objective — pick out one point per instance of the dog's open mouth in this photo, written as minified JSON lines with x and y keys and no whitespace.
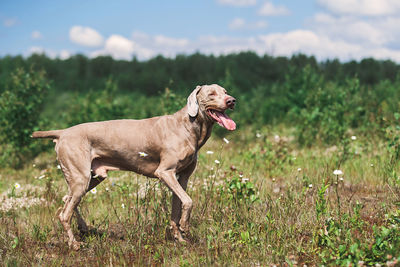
{"x":222,"y":119}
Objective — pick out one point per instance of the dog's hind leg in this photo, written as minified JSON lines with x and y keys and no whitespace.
{"x":82,"y":226}
{"x":75,"y":165}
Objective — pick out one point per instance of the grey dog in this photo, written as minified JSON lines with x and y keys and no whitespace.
{"x":162,"y":147}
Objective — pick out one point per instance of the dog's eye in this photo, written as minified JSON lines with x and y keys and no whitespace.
{"x":213,"y":94}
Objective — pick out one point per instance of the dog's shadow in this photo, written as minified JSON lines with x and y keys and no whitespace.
{"x":114,"y":231}
{"x":117,"y":232}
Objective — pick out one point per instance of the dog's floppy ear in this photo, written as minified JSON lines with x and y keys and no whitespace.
{"x":192,"y":104}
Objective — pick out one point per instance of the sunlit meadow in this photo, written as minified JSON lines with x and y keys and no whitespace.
{"x":259,"y":200}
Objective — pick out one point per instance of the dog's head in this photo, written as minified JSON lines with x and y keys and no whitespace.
{"x":212,"y":101}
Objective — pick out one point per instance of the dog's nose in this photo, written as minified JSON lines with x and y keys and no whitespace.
{"x":230,"y":102}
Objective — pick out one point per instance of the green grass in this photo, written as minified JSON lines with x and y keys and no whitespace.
{"x":268,"y":201}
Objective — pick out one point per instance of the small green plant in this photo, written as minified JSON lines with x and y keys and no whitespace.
{"x":15,"y":242}
{"x":321,"y":207}
{"x":242,"y":190}
{"x":39,"y":234}
{"x":392,"y":137}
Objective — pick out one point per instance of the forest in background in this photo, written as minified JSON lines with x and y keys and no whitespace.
{"x":323,"y":101}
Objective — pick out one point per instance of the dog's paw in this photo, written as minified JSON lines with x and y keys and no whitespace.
{"x":75,"y":245}
{"x":173,"y":233}
{"x":184,"y":230}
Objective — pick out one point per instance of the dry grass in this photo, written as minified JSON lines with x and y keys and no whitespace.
{"x":129,"y":214}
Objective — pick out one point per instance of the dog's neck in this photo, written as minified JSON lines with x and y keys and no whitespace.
{"x":199,"y":126}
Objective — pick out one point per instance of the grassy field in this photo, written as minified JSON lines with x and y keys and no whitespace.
{"x":259,"y":200}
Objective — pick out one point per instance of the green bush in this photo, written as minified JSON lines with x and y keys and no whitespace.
{"x":20,"y":106}
{"x":96,"y":105}
{"x":329,"y":112}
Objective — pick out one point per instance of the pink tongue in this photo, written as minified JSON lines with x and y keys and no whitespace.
{"x":227,"y":122}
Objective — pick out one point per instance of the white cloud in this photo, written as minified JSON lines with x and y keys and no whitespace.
{"x":237,"y":23}
{"x":148,"y":46}
{"x":326,"y":37}
{"x":361,"y":7}
{"x":352,"y":29}
{"x":222,"y":45}
{"x":168,"y":41}
{"x":260,"y":24}
{"x":9,"y":22}
{"x":269,"y":9}
{"x":370,"y":24}
{"x":36,"y":50}
{"x":85,"y":36}
{"x":63,"y":54}
{"x":241,"y":24}
{"x":36,"y":35}
{"x":238,"y":3}
{"x":309,"y":43}
{"x":120,"y":47}
{"x":323,"y":47}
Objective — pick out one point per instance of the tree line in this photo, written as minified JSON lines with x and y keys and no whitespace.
{"x":248,"y":70}
{"x":322,"y":101}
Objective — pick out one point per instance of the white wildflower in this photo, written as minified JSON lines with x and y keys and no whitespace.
{"x":341,"y":179}
{"x":277,"y":138}
{"x":217,"y":161}
{"x":143,"y":154}
{"x":17,"y":185}
{"x":58,"y":166}
{"x":123,"y":205}
{"x":372,"y":165}
{"x":241,"y":175}
{"x":273,"y":180}
{"x":310,"y":185}
{"x":107,"y":189}
{"x":337,"y":172}
{"x":258,"y":135}
{"x":299,"y":169}
{"x":354,"y":137}
{"x":226,"y":140}
{"x":93,"y":191}
{"x":33,"y":165}
{"x":41,"y":177}
{"x":210,"y":152}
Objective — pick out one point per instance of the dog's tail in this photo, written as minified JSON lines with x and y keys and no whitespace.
{"x":55,"y":134}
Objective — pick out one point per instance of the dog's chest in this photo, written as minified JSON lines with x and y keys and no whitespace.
{"x":186,"y":161}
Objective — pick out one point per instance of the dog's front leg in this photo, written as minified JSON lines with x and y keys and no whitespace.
{"x":169,"y":178}
{"x":176,"y":214}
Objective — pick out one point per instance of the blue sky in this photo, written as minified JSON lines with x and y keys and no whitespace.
{"x":327,"y":29}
